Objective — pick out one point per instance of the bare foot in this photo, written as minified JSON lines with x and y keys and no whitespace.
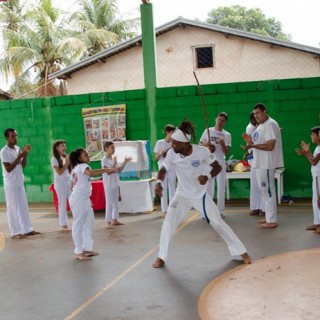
{"x":164,"y":214}
{"x":91,"y":253}
{"x":109,"y":225}
{"x":82,"y":257}
{"x":268,"y":225}
{"x":66,"y":229}
{"x":32,"y":233}
{"x":18,"y":236}
{"x":117,"y":223}
{"x":317,"y":231}
{"x":254,"y":212}
{"x":262,"y":221}
{"x":159,"y":263}
{"x":313,"y":227}
{"x":246,"y":258}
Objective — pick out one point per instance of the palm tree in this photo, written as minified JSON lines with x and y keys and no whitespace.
{"x":39,"y":40}
{"x":102,"y":15}
{"x":36,"y":46}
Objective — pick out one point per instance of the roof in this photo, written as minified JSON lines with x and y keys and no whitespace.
{"x":179,"y":22}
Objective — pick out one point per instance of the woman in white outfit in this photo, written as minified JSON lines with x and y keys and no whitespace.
{"x":169,"y":183}
{"x":83,"y":216}
{"x":194,"y":166}
{"x":62,"y":180}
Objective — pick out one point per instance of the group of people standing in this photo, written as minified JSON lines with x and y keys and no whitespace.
{"x":72,"y":175}
{"x":196,"y":167}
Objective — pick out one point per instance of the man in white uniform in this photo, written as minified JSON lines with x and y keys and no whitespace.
{"x":14,"y":160}
{"x":267,"y":156}
{"x":256,"y":204}
{"x":194,"y":166}
{"x":219,"y":145}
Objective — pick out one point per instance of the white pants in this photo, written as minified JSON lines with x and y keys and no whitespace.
{"x":267,"y":188}
{"x":221,"y":186}
{"x":316,"y":210}
{"x":63,"y":190}
{"x":112,"y":203}
{"x":17,"y":210}
{"x":169,"y":186}
{"x":179,"y":207}
{"x":256,"y":202}
{"x":83,"y":223}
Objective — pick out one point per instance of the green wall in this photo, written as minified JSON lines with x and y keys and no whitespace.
{"x":293,"y":103}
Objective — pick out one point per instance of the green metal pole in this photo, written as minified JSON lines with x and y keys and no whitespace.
{"x":150,"y":68}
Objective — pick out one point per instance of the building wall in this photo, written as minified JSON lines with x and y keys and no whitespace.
{"x":293,"y":103}
{"x":236,"y":60}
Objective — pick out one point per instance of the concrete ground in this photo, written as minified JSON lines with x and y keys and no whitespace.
{"x":41,"y":279}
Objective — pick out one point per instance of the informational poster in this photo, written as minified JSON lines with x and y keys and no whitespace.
{"x":101,"y":124}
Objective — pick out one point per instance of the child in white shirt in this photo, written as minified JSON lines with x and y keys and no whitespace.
{"x":111,"y":184}
{"x":83,"y":216}
{"x":62,"y":180}
{"x":314,"y":159}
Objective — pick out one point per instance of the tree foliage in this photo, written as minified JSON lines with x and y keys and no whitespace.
{"x":250,"y":20}
{"x":41,"y":39}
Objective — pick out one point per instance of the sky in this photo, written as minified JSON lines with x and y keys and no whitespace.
{"x":299,"y":18}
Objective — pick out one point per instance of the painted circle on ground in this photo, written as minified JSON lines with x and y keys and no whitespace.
{"x":284,"y":286}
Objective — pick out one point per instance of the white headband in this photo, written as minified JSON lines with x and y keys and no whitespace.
{"x":180,"y":136}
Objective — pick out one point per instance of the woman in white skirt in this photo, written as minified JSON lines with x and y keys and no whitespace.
{"x":83,"y":216}
{"x":62,"y":180}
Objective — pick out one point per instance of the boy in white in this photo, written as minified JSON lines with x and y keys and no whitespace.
{"x":219,"y":145}
{"x":111,"y":184}
{"x":267,"y":156}
{"x":194,"y":167}
{"x":314,"y":159}
{"x":169,"y":183}
{"x":83,"y":216}
{"x":62,"y":180}
{"x":13,"y":161}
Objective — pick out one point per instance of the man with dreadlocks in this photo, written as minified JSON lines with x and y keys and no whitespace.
{"x":194,"y":166}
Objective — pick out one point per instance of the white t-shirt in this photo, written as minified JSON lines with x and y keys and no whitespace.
{"x":160,"y":146}
{"x":269,"y":130}
{"x":315,"y":170}
{"x":188,"y":169}
{"x":214,"y":135}
{"x":65,"y":176}
{"x":81,"y":181}
{"x":112,"y":180}
{"x":14,"y":178}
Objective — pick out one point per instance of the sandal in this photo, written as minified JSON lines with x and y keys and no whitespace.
{"x":18,"y":236}
{"x":32,"y":233}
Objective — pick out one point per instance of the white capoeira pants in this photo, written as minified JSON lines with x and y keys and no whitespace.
{"x":221,"y":186}
{"x":83,"y":224}
{"x":63,"y":190}
{"x":112,"y":203}
{"x":315,"y":193}
{"x":17,"y":210}
{"x":256,"y":202}
{"x":169,"y":187}
{"x":267,"y":188}
{"x":179,"y":207}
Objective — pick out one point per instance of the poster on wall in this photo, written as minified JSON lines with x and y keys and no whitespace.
{"x":106,"y":123}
